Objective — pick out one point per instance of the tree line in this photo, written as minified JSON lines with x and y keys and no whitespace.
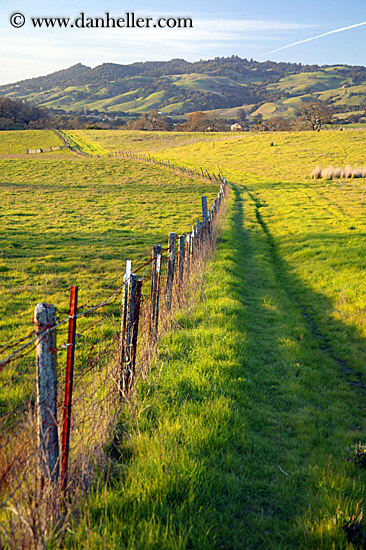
{"x":16,"y":114}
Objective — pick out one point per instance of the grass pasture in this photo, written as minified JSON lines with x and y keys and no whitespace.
{"x":245,"y":434}
{"x":17,"y":142}
{"x":70,"y":220}
{"x":248,"y":442}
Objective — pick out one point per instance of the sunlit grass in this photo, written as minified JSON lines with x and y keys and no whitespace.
{"x":243,"y":440}
{"x":76,"y":221}
{"x":246,"y":442}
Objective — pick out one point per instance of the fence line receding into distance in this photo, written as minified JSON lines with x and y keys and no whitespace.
{"x":87,"y":364}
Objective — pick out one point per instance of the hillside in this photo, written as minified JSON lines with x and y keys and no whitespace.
{"x":177,"y":87}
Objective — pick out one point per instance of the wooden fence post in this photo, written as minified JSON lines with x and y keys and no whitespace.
{"x":189,"y":243}
{"x":204,"y":216}
{"x":68,"y":386}
{"x":171,"y":267}
{"x":193,"y":242}
{"x":155,"y":290}
{"x":136,"y":325}
{"x":125,"y":301}
{"x":128,"y":356}
{"x":45,"y":321}
{"x":199,"y":235}
{"x":182,"y":239}
{"x":204,"y":208}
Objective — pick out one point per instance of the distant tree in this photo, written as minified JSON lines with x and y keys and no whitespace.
{"x":242,"y":117}
{"x":19,"y":114}
{"x":315,"y":114}
{"x":158,"y":122}
{"x":200,"y":122}
{"x":151,"y":121}
{"x":274,"y":124}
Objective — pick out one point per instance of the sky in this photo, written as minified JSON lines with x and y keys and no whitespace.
{"x":298,"y":31}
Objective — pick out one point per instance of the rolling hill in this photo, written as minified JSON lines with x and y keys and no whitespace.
{"x":177,"y":87}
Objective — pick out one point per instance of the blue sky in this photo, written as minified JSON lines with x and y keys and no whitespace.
{"x":221,"y":28}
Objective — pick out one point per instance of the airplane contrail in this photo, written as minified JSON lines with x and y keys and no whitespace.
{"x":315,"y":37}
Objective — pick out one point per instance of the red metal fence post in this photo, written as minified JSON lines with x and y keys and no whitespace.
{"x":65,"y":444}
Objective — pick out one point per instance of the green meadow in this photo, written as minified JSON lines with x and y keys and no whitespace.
{"x":69,"y":220}
{"x":251,"y":439}
{"x":250,"y":431}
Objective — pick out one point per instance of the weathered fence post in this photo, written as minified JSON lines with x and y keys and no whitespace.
{"x":171,"y":267}
{"x":204,"y":216}
{"x":129,"y":354}
{"x":182,"y":239}
{"x":155,"y":290}
{"x":193,"y":243}
{"x":65,"y":444}
{"x":204,"y":208}
{"x":122,"y":339}
{"x":45,"y":321}
{"x":199,"y":234}
{"x":136,"y":325}
{"x":189,"y":243}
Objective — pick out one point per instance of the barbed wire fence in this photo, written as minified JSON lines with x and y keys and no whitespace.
{"x":199,"y":172}
{"x":87,"y":364}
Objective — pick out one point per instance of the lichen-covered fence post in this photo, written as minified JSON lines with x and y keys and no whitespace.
{"x":171,"y":268}
{"x":182,"y":239}
{"x":45,"y":321}
{"x":122,"y":340}
{"x":129,"y":351}
{"x":155,"y":290}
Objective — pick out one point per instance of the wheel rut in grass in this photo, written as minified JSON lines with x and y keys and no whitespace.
{"x":282,"y":277}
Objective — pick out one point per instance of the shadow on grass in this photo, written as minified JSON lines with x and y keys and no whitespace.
{"x":243,"y":444}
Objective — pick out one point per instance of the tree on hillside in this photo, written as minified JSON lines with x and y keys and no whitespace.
{"x":242,"y":117}
{"x":200,"y":122}
{"x":151,"y":121}
{"x":314,"y":114}
{"x":19,"y":114}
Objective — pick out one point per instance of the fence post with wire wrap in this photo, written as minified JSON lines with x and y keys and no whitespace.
{"x":182,"y":240}
{"x":125,"y":302}
{"x":155,"y":290}
{"x":129,"y":351}
{"x":171,"y":268}
{"x":107,"y":370}
{"x":135,"y":329}
{"x":45,"y":321}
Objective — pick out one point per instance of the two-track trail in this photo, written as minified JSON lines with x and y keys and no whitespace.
{"x":242,"y":437}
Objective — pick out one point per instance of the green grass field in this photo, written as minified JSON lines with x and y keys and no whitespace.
{"x":244,"y":435}
{"x":69,"y":220}
{"x":17,"y":143}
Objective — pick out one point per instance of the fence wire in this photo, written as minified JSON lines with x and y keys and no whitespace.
{"x":102,"y":364}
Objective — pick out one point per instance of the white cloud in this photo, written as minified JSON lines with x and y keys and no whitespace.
{"x":39,"y":51}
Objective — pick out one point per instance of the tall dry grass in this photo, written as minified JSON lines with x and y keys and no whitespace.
{"x":330,"y":172}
